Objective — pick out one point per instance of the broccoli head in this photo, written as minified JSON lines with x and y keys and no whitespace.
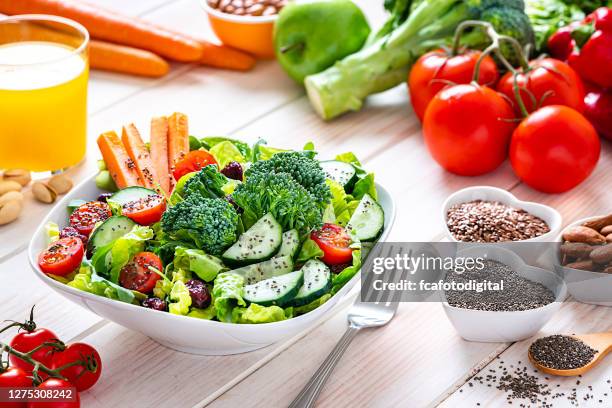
{"x":278,"y":193}
{"x":208,"y":223}
{"x":303,"y":169}
{"x":207,"y":183}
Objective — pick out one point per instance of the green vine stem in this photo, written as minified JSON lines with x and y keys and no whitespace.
{"x":29,"y":325}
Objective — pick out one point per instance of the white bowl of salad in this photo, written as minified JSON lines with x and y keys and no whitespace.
{"x":252,"y":245}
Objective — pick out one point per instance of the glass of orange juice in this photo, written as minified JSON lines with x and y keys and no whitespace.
{"x":43,"y":92}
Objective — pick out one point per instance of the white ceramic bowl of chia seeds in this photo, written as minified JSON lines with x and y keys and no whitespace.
{"x":506,"y":326}
{"x":587,"y":287}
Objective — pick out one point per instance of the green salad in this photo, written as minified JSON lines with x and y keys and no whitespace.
{"x":254,"y":234}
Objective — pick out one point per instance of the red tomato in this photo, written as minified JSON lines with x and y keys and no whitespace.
{"x":550,"y":81}
{"x":146,"y":211}
{"x":598,"y":110}
{"x":62,"y":256}
{"x":53,"y":383}
{"x":26,"y":341}
{"x":193,"y":161}
{"x":434,"y":70}
{"x":84,"y":218}
{"x":334,"y":242}
{"x":554,"y":149}
{"x":14,"y":378}
{"x":78,"y":375}
{"x":137,"y":275}
{"x":467,"y":129}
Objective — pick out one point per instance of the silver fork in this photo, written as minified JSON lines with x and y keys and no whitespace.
{"x":362,"y":315}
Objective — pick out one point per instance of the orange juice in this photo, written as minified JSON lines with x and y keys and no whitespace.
{"x":43,"y":94}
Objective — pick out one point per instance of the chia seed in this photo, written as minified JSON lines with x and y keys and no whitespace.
{"x":518,"y":293}
{"x":493,"y":221}
{"x":561,"y":352}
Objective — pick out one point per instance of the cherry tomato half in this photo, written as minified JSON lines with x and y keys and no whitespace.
{"x":437,"y":69}
{"x":193,"y":161}
{"x":54,"y":383}
{"x":554,"y":149}
{"x":28,"y":341}
{"x":334,"y":241}
{"x":85,"y":217}
{"x":137,"y":275}
{"x":550,"y":82}
{"x":78,"y":375}
{"x":14,"y":378}
{"x":62,"y":256}
{"x":467,"y":129}
{"x":145,"y":211}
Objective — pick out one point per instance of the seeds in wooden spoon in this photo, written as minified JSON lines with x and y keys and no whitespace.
{"x":561,"y":352}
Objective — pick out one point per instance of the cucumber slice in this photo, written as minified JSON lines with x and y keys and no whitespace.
{"x":289,"y":245}
{"x":130,"y":194}
{"x":279,"y":290}
{"x":340,"y":172}
{"x":111,"y":229}
{"x":368,"y":220}
{"x":264,"y":270}
{"x":74,"y":204}
{"x":317,"y":282}
{"x":257,"y":244}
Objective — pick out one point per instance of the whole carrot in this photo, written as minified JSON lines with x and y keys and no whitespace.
{"x":222,"y":56}
{"x":127,"y":60}
{"x":111,"y":26}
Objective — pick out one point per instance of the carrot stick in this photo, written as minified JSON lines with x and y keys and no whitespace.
{"x":140,"y":155}
{"x":178,"y":141}
{"x":121,"y":167}
{"x":222,"y":56}
{"x":126,"y":60}
{"x":159,"y":151}
{"x":111,"y":26}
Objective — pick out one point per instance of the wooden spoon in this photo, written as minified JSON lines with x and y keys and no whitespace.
{"x":602,"y":342}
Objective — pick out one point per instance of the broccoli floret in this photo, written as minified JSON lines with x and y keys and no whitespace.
{"x":206,"y":183}
{"x":209,"y":223}
{"x":290,"y":203}
{"x":306,"y":171}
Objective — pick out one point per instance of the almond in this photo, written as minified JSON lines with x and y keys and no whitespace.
{"x":607,"y":230}
{"x":43,"y":192}
{"x":602,"y":255}
{"x":21,"y":176}
{"x":582,"y":265}
{"x":583,"y":234}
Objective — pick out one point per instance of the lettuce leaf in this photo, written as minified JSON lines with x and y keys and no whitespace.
{"x":344,"y":204}
{"x":300,"y":310}
{"x":52,"y":232}
{"x":255,"y":314}
{"x":347,"y":273}
{"x":212,"y":141}
{"x":207,"y":314}
{"x":180,"y":299}
{"x":309,"y":250}
{"x":177,"y":194}
{"x":227,"y":294}
{"x":226,"y":152}
{"x":365,"y":184}
{"x":88,"y":281}
{"x":197,"y":261}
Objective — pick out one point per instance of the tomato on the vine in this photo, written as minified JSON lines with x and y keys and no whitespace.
{"x":85,"y":217}
{"x":547,"y":82}
{"x":55,"y":383}
{"x":554,"y":149}
{"x":437,"y":69}
{"x":145,"y":211}
{"x":193,"y":161}
{"x":62,"y":256}
{"x":467,"y":129}
{"x":26,"y":341}
{"x":78,"y":375}
{"x":334,"y":241}
{"x":14,"y":377}
{"x":137,"y":274}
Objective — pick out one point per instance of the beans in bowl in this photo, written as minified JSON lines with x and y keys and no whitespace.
{"x":248,"y":7}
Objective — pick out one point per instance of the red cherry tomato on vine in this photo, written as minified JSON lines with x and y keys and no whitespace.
{"x":145,"y":211}
{"x":193,"y":161}
{"x":55,"y":383}
{"x":550,"y":82}
{"x":598,"y":110}
{"x":137,"y":274}
{"x":435,"y":70}
{"x":14,"y":378}
{"x":334,"y":242}
{"x":26,"y":341}
{"x":62,"y":256}
{"x":467,"y":129}
{"x":85,"y":217}
{"x":78,"y":375}
{"x":554,"y":149}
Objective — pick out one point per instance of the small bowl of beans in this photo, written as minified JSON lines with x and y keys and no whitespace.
{"x":245,"y":24}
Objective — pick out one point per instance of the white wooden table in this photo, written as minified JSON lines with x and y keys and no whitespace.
{"x":416,"y":361}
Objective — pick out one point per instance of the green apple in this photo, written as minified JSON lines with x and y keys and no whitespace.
{"x":311,"y":36}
